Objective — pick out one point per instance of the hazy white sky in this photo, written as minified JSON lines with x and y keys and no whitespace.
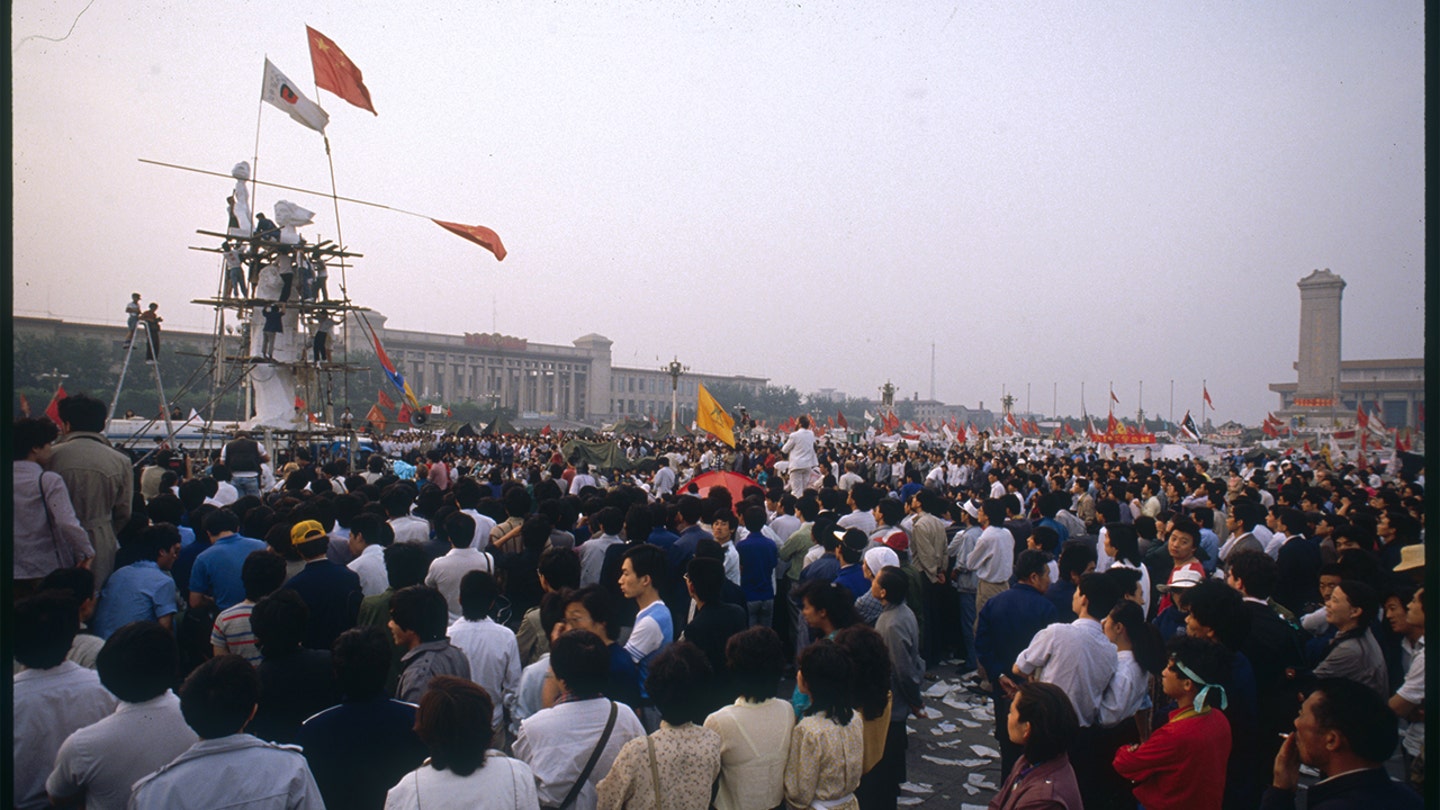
{"x":1050,"y":192}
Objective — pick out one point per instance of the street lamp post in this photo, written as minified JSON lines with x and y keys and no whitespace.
{"x":674,"y":368}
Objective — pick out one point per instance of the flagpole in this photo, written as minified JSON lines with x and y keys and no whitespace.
{"x":1204,"y":388}
{"x":339,"y":240}
{"x":255,"y":160}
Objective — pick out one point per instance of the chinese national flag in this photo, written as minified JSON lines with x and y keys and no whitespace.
{"x":335,"y":72}
{"x":384,"y":400}
{"x":1206,"y":393}
{"x":52,"y":411}
{"x":479,"y":234}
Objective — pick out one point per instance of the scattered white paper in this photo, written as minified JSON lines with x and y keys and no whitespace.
{"x":941,"y":760}
{"x":969,"y":723}
{"x":937,"y":731}
{"x":917,"y":787}
{"x":947,"y":728}
{"x":938,"y":688}
{"x":985,"y":751}
{"x":968,"y":806}
{"x":974,"y":763}
{"x":971,"y":789}
{"x":906,"y":801}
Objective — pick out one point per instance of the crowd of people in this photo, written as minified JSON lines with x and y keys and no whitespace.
{"x":484,"y":622}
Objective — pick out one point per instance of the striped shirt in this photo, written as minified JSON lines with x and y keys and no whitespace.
{"x":232,"y":633}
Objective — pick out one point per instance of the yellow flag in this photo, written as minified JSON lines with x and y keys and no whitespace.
{"x":714,"y":419}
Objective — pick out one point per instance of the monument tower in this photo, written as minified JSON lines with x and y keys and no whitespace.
{"x":1318,"y":370}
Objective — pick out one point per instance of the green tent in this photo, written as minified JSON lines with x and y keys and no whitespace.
{"x":499,"y":426}
{"x":599,"y":455}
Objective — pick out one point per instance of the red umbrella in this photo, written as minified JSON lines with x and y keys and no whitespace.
{"x":733,"y":481}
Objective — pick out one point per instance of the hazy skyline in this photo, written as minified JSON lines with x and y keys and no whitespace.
{"x":1048,"y":192}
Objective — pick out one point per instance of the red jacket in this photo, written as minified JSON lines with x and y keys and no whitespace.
{"x":1048,"y":786}
{"x":1182,"y":765}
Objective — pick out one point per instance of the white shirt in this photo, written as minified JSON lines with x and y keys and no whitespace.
{"x":1266,"y":538}
{"x":483,"y":526}
{"x":503,"y":782}
{"x":1078,"y":658}
{"x":410,"y":529}
{"x":494,"y":659}
{"x":1144,"y":583}
{"x":1272,"y":546}
{"x":1127,"y":690}
{"x":1103,"y":560}
{"x":102,"y":760}
{"x":447,"y":571}
{"x":370,"y":567}
{"x":993,"y":557}
{"x":732,"y":562}
{"x":849,"y":480}
{"x":51,"y":704}
{"x":800,"y":449}
{"x":784,"y":525}
{"x":1413,"y":691}
{"x":997,"y":490}
{"x":865,"y":521}
{"x":592,"y":557}
{"x":557,"y":742}
{"x":225,"y":494}
{"x":754,"y":744}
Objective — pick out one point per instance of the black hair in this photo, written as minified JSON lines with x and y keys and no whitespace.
{"x":372,"y":529}
{"x":405,"y":565}
{"x":648,"y":561}
{"x":422,"y":610}
{"x":835,"y":600}
{"x":870,"y":659}
{"x":581,"y":660}
{"x":262,"y":573}
{"x":478,"y":591}
{"x":560,"y":567}
{"x":670,"y":681}
{"x":552,"y":609}
{"x":138,"y":662}
{"x":396,"y":499}
{"x":453,"y":720}
{"x":1029,"y":563}
{"x":853,"y":545}
{"x":45,"y":626}
{"x":1362,"y":596}
{"x":707,"y":578}
{"x":218,"y":697}
{"x":221,"y":521}
{"x":638,"y":523}
{"x":83,"y":413}
{"x":597,"y":602}
{"x":31,"y":434}
{"x":1046,"y":538}
{"x":755,"y":660}
{"x":1209,"y":660}
{"x":1126,"y":580}
{"x":460,"y":529}
{"x":1360,"y":714}
{"x":827,"y":671}
{"x":1052,"y":718}
{"x":1149,"y":647}
{"x":279,"y":622}
{"x":1126,"y":543}
{"x":1075,"y":557}
{"x":1256,"y":571}
{"x":361,"y":658}
{"x":1101,"y":592}
{"x":892,"y":581}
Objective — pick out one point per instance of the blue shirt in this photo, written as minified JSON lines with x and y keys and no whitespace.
{"x":758,"y":559}
{"x":187,"y":535}
{"x":217,"y":569}
{"x":1006,"y":626}
{"x":853,"y":578}
{"x":139,"y":592}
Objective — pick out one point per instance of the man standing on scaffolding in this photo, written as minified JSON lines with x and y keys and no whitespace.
{"x":152,"y":320}
{"x":132,"y":318}
{"x":273,"y":326}
{"x":324,"y":324}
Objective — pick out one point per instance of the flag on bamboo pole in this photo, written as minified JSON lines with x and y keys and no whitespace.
{"x":1111,"y":424}
{"x":1069,"y":431}
{"x":479,"y":234}
{"x":714,"y":419}
{"x":1205,"y":392}
{"x":335,"y":72}
{"x":840,"y":420}
{"x":281,"y":92}
{"x":1360,"y":418}
{"x":52,"y":411}
{"x":405,"y":414}
{"x":1114,"y":398}
{"x":384,"y":400}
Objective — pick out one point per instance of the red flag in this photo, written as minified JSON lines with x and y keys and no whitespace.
{"x":335,"y":72}
{"x":447,"y":413}
{"x":1111,"y":424}
{"x":1057,"y":434}
{"x":405,"y":413}
{"x":24,"y":406}
{"x":384,"y":400}
{"x":1069,"y":431}
{"x":545,"y":431}
{"x":1306,"y":448}
{"x":479,"y":234}
{"x":1360,"y":417}
{"x":1114,"y":398}
{"x":1270,"y":430}
{"x":376,"y":417}
{"x":892,"y":422}
{"x":53,"y":409}
{"x":960,"y":434}
{"x":840,"y":420}
{"x":299,"y":404}
{"x":829,"y":423}
{"x":1206,"y":392}
{"x":310,"y":417}
{"x":1010,"y":420}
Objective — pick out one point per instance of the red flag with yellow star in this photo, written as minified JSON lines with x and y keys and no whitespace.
{"x":335,"y":72}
